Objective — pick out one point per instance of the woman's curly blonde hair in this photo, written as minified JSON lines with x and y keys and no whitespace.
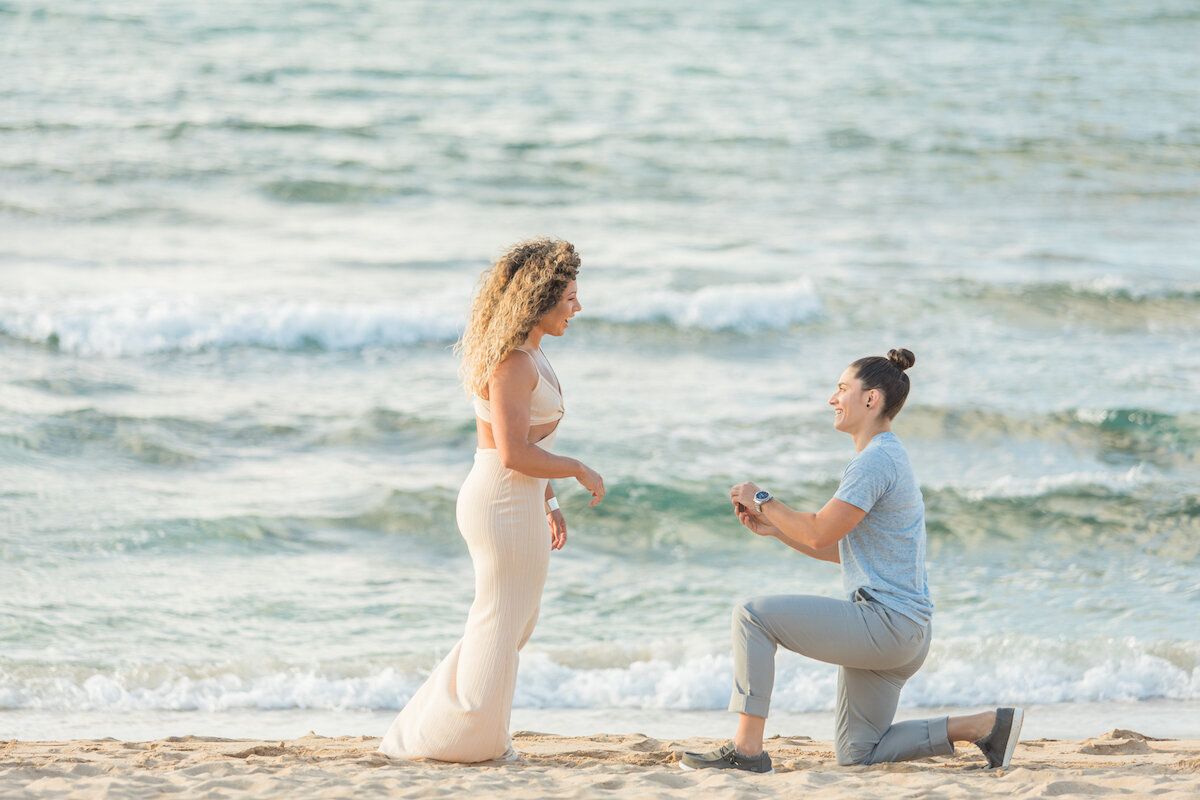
{"x":516,"y":292}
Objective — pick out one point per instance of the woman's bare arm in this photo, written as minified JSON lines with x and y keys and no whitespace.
{"x":510,"y":393}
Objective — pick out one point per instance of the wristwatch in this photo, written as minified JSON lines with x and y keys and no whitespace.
{"x":762,"y":497}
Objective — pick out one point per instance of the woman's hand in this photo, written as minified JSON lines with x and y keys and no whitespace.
{"x":743,"y":494}
{"x":591,"y":480}
{"x":558,"y":529}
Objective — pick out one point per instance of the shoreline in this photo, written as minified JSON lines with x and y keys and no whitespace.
{"x":598,"y":765}
{"x":1179,"y":719}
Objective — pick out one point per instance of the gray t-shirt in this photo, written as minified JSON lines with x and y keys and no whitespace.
{"x":885,"y":553}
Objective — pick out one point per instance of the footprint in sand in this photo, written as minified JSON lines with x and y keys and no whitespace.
{"x":1057,"y":788}
{"x":1116,"y":743}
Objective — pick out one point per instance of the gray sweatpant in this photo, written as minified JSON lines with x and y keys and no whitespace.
{"x":876,"y":649}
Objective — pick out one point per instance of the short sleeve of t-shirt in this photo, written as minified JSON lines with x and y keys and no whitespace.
{"x":868,"y":476}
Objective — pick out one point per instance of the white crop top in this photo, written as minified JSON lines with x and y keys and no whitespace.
{"x":546,"y":405}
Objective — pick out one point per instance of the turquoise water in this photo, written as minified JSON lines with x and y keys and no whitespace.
{"x":238,"y":240}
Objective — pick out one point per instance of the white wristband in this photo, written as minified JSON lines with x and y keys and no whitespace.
{"x":552,"y":504}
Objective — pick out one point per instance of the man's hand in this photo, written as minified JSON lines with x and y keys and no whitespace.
{"x":755,"y":523}
{"x":743,"y":494}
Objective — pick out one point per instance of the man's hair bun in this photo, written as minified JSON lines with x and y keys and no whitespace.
{"x":901,"y":358}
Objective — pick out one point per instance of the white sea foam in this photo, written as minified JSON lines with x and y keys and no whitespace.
{"x":220,"y":692}
{"x":742,"y":307}
{"x":1139,"y":289}
{"x":1010,"y":486}
{"x":962,"y":672}
{"x":138,"y":323}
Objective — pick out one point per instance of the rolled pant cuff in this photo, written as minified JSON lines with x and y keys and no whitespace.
{"x":745,"y":704}
{"x":939,"y":737}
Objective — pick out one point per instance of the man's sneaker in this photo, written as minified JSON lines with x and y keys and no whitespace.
{"x":998,"y":745}
{"x":727,"y":757}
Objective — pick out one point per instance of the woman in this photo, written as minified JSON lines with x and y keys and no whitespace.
{"x":507,"y":511}
{"x":875,"y":528}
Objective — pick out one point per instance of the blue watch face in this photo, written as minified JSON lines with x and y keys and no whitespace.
{"x":762,"y":495}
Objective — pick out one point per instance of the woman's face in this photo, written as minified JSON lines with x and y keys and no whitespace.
{"x":555,"y":321}
{"x":849,"y":402}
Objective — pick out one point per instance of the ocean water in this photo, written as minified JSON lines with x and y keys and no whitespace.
{"x":237,"y":241}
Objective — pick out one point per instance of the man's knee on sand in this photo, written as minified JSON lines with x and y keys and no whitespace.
{"x":854,"y":753}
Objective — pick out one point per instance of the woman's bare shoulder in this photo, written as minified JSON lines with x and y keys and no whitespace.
{"x":515,"y":370}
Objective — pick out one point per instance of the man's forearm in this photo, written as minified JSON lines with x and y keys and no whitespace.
{"x":800,"y":527}
{"x":827,"y":553}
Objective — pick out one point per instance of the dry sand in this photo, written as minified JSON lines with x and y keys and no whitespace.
{"x":1120,"y":764}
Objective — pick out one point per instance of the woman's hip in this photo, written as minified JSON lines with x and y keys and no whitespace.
{"x":489,"y":481}
{"x":503,"y":509}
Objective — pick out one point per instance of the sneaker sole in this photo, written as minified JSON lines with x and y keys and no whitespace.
{"x":1014,"y":736}
{"x":685,"y":767}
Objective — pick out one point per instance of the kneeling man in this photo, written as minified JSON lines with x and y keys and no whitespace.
{"x":880,"y":633}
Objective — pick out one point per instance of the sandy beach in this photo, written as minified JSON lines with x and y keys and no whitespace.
{"x":239,"y":242}
{"x":604,"y":765}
